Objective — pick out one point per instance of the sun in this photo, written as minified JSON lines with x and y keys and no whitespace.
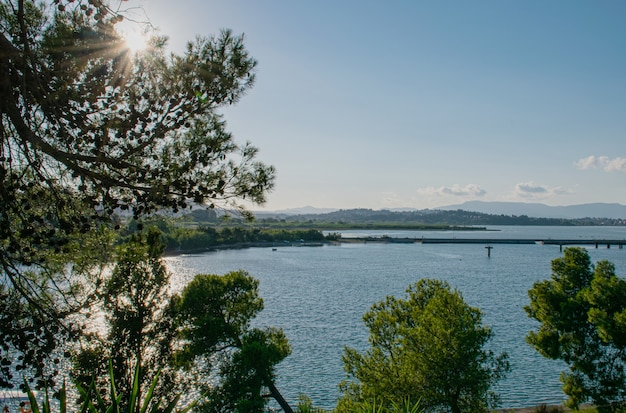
{"x":135,"y":41}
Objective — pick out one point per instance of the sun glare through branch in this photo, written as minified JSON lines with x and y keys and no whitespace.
{"x":135,"y":40}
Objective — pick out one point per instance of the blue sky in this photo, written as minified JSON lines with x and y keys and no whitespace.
{"x":372,"y":104}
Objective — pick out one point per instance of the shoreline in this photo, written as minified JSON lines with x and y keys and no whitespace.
{"x":245,"y":245}
{"x":619,"y":243}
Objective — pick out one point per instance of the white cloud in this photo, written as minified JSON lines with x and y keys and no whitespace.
{"x":589,"y":162}
{"x":454,"y":190}
{"x":530,"y":188}
{"x":609,"y":165}
{"x":617,"y":164}
{"x":533,"y":190}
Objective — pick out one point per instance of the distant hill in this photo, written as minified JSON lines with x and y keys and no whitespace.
{"x":368,"y":218}
{"x":594,"y":210}
{"x":305,"y":210}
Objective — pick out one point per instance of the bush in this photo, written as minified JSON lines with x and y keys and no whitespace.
{"x":544,"y":408}
{"x":94,"y":402}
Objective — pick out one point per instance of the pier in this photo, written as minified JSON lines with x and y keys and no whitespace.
{"x":561,"y":242}
{"x":490,"y":241}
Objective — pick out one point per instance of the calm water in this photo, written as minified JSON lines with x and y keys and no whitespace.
{"x":319,"y":294}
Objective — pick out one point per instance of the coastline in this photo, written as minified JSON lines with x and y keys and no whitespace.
{"x":244,"y":245}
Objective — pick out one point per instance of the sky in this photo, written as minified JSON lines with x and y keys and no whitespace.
{"x":422,"y":104}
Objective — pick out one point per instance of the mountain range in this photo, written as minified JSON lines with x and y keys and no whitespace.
{"x":536,"y":210}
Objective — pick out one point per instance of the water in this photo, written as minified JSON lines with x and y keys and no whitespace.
{"x":318,"y":295}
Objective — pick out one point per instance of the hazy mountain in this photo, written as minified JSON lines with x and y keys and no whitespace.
{"x":595,"y":210}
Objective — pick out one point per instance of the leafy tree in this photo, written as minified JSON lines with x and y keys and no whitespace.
{"x":215,"y":314}
{"x":427,"y":347}
{"x":203,"y":336}
{"x":138,"y":328}
{"x":89,"y":128}
{"x":582,"y":314}
{"x":44,"y":302}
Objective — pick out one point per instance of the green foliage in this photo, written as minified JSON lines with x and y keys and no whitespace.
{"x":124,"y":129}
{"x":405,"y":406}
{"x":378,"y":406}
{"x":543,"y":408}
{"x":428,"y":347}
{"x":94,"y":402}
{"x":88,"y":128}
{"x":214,"y":313}
{"x":41,"y":302}
{"x":251,"y":369}
{"x":203,"y":237}
{"x":199,"y":341}
{"x":582,"y":315}
{"x":305,"y":405}
{"x":214,"y":309}
{"x":138,"y":326}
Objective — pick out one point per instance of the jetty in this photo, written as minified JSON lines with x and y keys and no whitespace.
{"x":549,"y":241}
{"x":492,"y":241}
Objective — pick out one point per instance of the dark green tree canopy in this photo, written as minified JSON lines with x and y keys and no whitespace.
{"x":429,"y":347}
{"x":582,"y":314}
{"x":215,"y":313}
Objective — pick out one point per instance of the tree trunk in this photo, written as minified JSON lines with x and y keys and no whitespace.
{"x":279,"y":398}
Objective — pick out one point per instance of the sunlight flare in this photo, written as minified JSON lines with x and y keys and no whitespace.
{"x":135,"y":40}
